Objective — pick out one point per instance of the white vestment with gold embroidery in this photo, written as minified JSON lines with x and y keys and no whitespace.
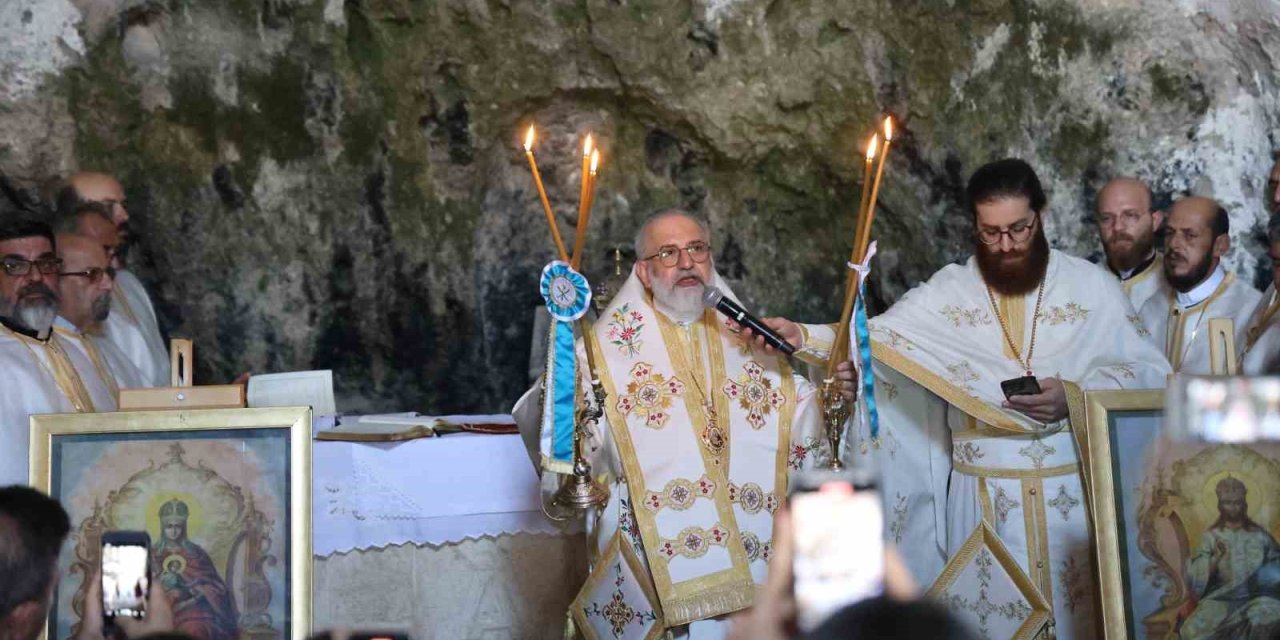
{"x":699,"y":435}
{"x":1149,"y":282}
{"x":1260,"y":352}
{"x":133,"y":328}
{"x":952,"y":457}
{"x":41,"y":376}
{"x":1183,"y":334}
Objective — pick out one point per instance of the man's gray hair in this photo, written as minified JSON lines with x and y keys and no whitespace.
{"x":642,"y":252}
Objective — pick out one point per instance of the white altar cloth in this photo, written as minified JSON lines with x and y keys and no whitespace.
{"x":428,"y":491}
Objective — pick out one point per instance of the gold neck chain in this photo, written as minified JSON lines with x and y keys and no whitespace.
{"x":1004,"y":329}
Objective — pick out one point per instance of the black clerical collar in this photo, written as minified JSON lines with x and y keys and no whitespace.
{"x":1142,"y":267}
{"x":21,"y":330}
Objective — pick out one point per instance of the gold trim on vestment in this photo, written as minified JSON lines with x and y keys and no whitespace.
{"x":1014,"y":311}
{"x":984,"y":534}
{"x":59,"y":367}
{"x":988,"y":511}
{"x":711,"y":595}
{"x":1174,"y":350}
{"x":1255,"y":330}
{"x":1155,"y":267}
{"x":1015,"y":474}
{"x":922,"y":376}
{"x":1039,"y":565}
{"x":95,"y":356}
{"x":577,"y":612}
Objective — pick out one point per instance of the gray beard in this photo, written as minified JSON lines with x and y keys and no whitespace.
{"x":37,"y":317}
{"x":684,"y":305}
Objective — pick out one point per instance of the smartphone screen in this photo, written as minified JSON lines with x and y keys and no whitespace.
{"x":839,"y":549}
{"x":126,"y":572}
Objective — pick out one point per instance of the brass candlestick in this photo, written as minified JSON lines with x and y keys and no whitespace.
{"x":835,"y":411}
{"x":580,"y":491}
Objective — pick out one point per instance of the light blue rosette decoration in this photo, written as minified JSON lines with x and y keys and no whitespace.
{"x":567,"y":295}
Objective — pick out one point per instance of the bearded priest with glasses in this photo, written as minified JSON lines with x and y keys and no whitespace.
{"x":980,"y":373}
{"x":702,"y":428}
{"x":43,"y":371}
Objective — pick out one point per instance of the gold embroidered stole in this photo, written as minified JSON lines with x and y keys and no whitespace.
{"x":1014,"y":311}
{"x":121,"y":301}
{"x":703,"y":517}
{"x":1175,"y":328}
{"x":59,"y":368}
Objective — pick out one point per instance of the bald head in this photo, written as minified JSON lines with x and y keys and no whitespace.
{"x":1198,"y":237}
{"x":1126,"y":223}
{"x":98,"y":228}
{"x":101,"y":188}
{"x":86,"y":282}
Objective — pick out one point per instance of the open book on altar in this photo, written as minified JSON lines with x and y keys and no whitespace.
{"x":395,"y":427}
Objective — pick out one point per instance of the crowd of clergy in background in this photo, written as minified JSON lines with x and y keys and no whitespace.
{"x":76,"y":325}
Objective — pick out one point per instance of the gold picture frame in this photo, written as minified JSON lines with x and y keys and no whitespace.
{"x":233,"y":489}
{"x":1102,"y":410}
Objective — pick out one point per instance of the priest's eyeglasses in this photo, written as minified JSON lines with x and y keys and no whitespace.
{"x":669,"y":255}
{"x":14,"y":266}
{"x":94,"y":274}
{"x":1018,"y":233}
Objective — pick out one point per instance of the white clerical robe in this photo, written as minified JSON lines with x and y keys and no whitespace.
{"x":111,"y":365}
{"x":41,"y":376}
{"x":1144,"y":284}
{"x":1260,"y":352}
{"x":1181,"y":327}
{"x":952,"y":457}
{"x":132,"y":327}
{"x":660,"y":461}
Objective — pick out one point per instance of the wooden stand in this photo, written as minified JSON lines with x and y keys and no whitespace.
{"x":182,"y":394}
{"x":1222,"y":347}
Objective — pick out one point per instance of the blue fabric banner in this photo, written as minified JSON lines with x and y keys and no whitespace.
{"x":864,"y":358}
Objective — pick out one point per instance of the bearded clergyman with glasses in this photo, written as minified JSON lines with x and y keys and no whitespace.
{"x":980,"y":372}
{"x":42,"y":371}
{"x":702,"y":428}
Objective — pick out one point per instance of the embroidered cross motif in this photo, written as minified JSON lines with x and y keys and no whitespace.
{"x":899,"y":518}
{"x":1064,"y":503}
{"x":1069,"y":314}
{"x":754,"y":548}
{"x":1136,"y":321}
{"x":754,"y":393}
{"x":1004,"y":504}
{"x":743,"y":345}
{"x":752,"y":498}
{"x":616,"y":611}
{"x":800,"y":452}
{"x":1037,"y":451}
{"x":895,"y":339}
{"x":693,"y":542}
{"x":649,"y":395}
{"x":679,"y":494}
{"x":982,"y":606}
{"x":962,"y":374}
{"x":624,"y":330}
{"x":972,"y":317}
{"x":1124,"y":370}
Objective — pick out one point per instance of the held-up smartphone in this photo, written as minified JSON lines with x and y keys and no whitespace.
{"x":126,"y":574}
{"x":837,"y":524}
{"x":1024,"y":386}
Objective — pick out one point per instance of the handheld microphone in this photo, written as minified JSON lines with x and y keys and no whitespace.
{"x":716,"y":299}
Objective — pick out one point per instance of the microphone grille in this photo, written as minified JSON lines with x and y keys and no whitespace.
{"x":711,"y":296}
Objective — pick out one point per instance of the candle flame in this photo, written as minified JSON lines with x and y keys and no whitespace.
{"x":528,"y":140}
{"x":586,"y":146}
{"x":888,"y":128}
{"x":595,"y":160}
{"x":872,"y":146}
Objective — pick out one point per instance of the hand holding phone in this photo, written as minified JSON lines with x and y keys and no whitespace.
{"x":837,"y":525}
{"x":126,"y":574}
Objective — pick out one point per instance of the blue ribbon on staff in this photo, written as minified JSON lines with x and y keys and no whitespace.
{"x":864,"y":358}
{"x":566,"y":293}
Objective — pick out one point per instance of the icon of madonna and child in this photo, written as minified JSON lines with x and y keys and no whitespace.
{"x":217,"y":514}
